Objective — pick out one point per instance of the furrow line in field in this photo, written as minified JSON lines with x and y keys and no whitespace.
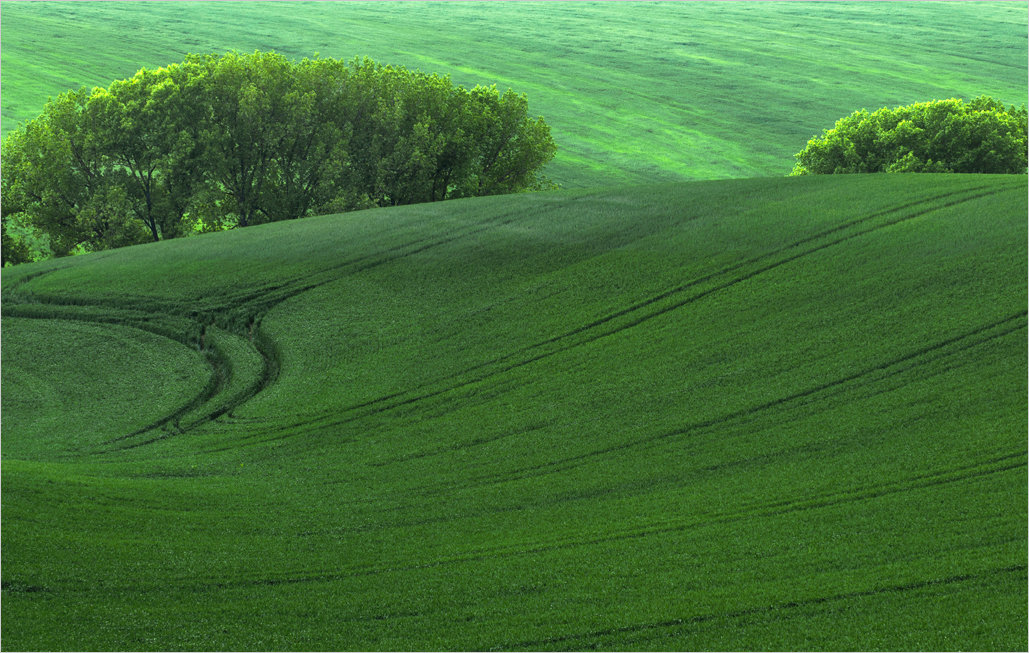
{"x":834,"y":388}
{"x":868,"y":377}
{"x":931,"y":354}
{"x":575,"y":639}
{"x":880,"y":372}
{"x":215,"y":382}
{"x":766,"y":268}
{"x":725,"y":271}
{"x":783,"y":506}
{"x":398,"y":400}
{"x":574,"y":461}
{"x":394,"y":400}
{"x":753,"y":260}
{"x":265,"y":299}
{"x":1000,"y":464}
{"x":271,"y":300}
{"x":274,"y":296}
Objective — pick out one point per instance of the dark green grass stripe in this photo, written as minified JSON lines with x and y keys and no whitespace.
{"x":591,"y":457}
{"x":999,"y":465}
{"x":755,"y":260}
{"x":779,"y":263}
{"x":685,"y":622}
{"x":979,"y":468}
{"x":267,"y":299}
{"x":933,"y":353}
{"x":216,"y":379}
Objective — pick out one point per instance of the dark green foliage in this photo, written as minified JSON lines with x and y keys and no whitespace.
{"x":13,"y":249}
{"x":937,"y":136}
{"x":58,"y":175}
{"x":236,"y":140}
{"x":766,"y":414}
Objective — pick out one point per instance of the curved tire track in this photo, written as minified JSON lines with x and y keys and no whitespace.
{"x":581,"y":641}
{"x":542,"y":349}
{"x":240,"y":313}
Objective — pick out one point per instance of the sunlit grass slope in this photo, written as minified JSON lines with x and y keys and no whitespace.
{"x":635,"y":92}
{"x":754,"y":414}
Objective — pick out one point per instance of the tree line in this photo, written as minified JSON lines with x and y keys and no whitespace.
{"x":240,"y":139}
{"x":980,"y":136}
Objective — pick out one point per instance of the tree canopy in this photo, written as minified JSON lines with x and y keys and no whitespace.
{"x":218,"y":141}
{"x":936,"y":136}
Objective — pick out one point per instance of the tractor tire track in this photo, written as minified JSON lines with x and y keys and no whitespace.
{"x":576,"y":640}
{"x":212,"y":358}
{"x":933,"y":353}
{"x":972,"y":471}
{"x":1008,"y":325}
{"x":394,"y":401}
{"x":258,"y":303}
{"x":266,"y":347}
{"x":265,"y":299}
{"x":927,"y":355}
{"x":831,"y":389}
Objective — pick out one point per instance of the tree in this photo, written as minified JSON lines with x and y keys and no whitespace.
{"x":937,"y":136}
{"x":12,"y":250}
{"x":240,"y":139}
{"x":311,"y":146}
{"x":240,"y":115}
{"x":141,"y":127}
{"x":107,"y":167}
{"x":55,"y":171}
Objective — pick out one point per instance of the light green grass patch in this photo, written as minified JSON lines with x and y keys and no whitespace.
{"x":635,"y":92}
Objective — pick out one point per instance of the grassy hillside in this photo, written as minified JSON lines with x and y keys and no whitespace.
{"x":635,"y":92}
{"x":754,"y":414}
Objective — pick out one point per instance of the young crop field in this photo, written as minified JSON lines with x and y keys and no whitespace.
{"x":634,"y":92}
{"x":781,"y":413}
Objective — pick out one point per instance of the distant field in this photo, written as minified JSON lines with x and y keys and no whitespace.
{"x":635,"y":92}
{"x":777,"y":414}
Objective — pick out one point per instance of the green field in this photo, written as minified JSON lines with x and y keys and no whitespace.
{"x":657,"y":410}
{"x":744,"y":414}
{"x":634,"y":92}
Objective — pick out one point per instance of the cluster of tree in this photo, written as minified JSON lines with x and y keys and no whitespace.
{"x":240,"y":139}
{"x":937,"y":136}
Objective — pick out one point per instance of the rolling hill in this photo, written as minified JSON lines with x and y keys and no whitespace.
{"x":750,"y":414}
{"x":634,"y":92}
